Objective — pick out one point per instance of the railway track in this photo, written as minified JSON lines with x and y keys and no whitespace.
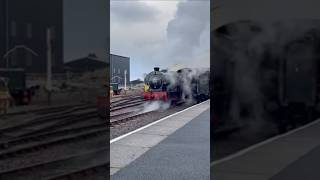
{"x":122,"y":99}
{"x":119,"y":115}
{"x":129,"y":113}
{"x":24,"y":145}
{"x":64,"y":110}
{"x":81,"y":166}
{"x":127,"y":102}
{"x":125,"y":118}
{"x":45,"y":110}
{"x":45,"y":124}
{"x":45,"y":131}
{"x":57,"y":127}
{"x":129,"y":105}
{"x":85,"y":173}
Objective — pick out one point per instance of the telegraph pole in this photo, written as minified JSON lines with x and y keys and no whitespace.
{"x":49,"y":70}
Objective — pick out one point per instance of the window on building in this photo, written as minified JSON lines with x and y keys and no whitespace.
{"x":29,"y":30}
{"x":114,"y":70}
{"x":119,"y":71}
{"x":13,"y":29}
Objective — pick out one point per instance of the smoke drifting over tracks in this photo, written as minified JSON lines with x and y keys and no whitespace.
{"x":133,"y":108}
{"x":142,"y":118}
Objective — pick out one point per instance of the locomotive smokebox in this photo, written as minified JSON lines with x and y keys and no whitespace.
{"x":156,"y":69}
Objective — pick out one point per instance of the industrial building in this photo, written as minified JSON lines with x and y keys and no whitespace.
{"x":89,"y":63}
{"x":78,"y":28}
{"x":119,"y":69}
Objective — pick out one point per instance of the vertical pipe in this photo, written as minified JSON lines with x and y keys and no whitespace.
{"x":49,"y":64}
{"x":7,"y":31}
{"x":125,"y":79}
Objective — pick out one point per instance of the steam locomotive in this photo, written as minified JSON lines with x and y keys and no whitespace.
{"x":275,"y":79}
{"x":174,"y":86}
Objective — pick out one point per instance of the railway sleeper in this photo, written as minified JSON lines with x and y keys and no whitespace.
{"x":32,"y":148}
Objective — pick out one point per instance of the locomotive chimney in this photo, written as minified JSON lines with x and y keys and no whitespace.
{"x":156,"y":69}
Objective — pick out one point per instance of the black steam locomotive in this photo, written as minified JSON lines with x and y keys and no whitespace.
{"x":266,"y":72}
{"x":176,"y":86}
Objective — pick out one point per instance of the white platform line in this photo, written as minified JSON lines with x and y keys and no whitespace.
{"x":153,"y":123}
{"x":255,"y":146}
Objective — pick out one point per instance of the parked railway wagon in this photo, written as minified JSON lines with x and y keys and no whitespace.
{"x":274,"y":79}
{"x":16,"y":78}
{"x":201,"y":86}
{"x":176,"y":86}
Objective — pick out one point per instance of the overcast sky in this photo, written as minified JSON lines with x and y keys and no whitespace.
{"x":160,"y":33}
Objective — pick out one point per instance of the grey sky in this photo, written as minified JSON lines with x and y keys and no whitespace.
{"x":87,"y":20}
{"x":160,"y":33}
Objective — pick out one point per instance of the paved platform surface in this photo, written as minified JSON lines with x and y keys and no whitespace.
{"x":176,"y":148}
{"x":292,"y":156}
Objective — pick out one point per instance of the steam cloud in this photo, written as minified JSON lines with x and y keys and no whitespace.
{"x":159,"y":39}
{"x":247,"y":51}
{"x":155,"y":106}
{"x":185,"y":81}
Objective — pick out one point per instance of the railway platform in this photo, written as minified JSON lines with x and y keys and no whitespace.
{"x":291,"y":156}
{"x":175,"y":147}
